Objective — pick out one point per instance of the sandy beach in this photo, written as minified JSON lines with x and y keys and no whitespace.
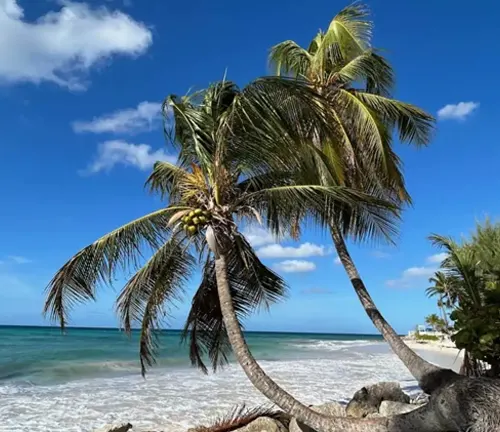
{"x":438,"y":353}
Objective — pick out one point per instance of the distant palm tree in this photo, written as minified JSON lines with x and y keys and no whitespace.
{"x":357,"y":83}
{"x":444,"y":287}
{"x":434,"y":322}
{"x":229,"y":172}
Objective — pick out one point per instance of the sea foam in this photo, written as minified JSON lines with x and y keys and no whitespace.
{"x":174,"y":400}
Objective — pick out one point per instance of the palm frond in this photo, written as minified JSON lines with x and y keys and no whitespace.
{"x":145,"y":296}
{"x":289,"y":58}
{"x":352,"y":29}
{"x":164,"y":177}
{"x":271,"y":124}
{"x":239,"y":417}
{"x":367,"y":216}
{"x":369,"y":68}
{"x":253,"y":286}
{"x":96,"y":264}
{"x":414,"y":124}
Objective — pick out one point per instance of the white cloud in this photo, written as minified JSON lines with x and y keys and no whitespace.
{"x":411,"y":275}
{"x":258,"y":236}
{"x":142,"y":118}
{"x":457,"y":111}
{"x":337,"y":261}
{"x":118,"y":152}
{"x":19,"y":259}
{"x":62,"y":46}
{"x":437,"y":258}
{"x":295,"y":266}
{"x":302,"y":251}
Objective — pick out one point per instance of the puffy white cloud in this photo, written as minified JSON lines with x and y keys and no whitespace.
{"x":302,"y":251}
{"x":131,"y":120}
{"x":437,"y":258}
{"x":61,"y":46}
{"x":295,"y":266}
{"x":457,"y":111}
{"x":118,"y":152}
{"x":258,"y":236}
{"x":411,"y":275}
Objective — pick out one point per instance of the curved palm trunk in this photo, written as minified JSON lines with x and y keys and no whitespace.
{"x":265,"y":384}
{"x":429,"y":376}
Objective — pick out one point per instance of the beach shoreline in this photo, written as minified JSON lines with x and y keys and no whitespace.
{"x":314,"y":368}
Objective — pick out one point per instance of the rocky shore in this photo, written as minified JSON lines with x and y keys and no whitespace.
{"x":379,"y":400}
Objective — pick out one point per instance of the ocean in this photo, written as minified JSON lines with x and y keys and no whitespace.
{"x":86,"y":378}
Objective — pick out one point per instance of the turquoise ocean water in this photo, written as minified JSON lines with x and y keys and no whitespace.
{"x":86,"y":378}
{"x":45,"y":356}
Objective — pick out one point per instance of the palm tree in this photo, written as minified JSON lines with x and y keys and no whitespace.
{"x":434,"y":322}
{"x":228,"y":172}
{"x":357,"y":81}
{"x":444,"y":288}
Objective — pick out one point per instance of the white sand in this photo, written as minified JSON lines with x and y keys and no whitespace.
{"x":438,"y":353}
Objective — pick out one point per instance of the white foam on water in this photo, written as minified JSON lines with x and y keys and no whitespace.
{"x":333,"y":345}
{"x":177,"y":399}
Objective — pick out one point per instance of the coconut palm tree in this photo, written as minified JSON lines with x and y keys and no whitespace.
{"x":444,"y":288}
{"x":357,"y":81}
{"x":229,"y":172}
{"x":434,"y":322}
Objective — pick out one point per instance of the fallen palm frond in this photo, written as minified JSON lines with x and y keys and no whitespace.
{"x":241,"y":416}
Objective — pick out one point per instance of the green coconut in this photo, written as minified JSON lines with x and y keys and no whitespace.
{"x":191,"y":214}
{"x":198,"y":211}
{"x":192,"y":229}
{"x":196,"y":220}
{"x":202,"y":219}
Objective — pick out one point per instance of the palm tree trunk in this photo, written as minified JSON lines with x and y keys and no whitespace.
{"x":429,"y":376}
{"x":265,"y":384}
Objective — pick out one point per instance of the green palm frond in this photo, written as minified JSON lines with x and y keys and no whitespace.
{"x":289,"y":58}
{"x":351,"y":26}
{"x":253,"y":286}
{"x":414,"y":125}
{"x":144,"y":297}
{"x":367,"y":214}
{"x":96,"y":264}
{"x":461,"y":264}
{"x":369,"y":68}
{"x":164,"y":177}
{"x":192,"y":128}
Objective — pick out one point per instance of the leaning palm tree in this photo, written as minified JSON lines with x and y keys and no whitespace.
{"x":357,"y":81}
{"x":229,"y":172}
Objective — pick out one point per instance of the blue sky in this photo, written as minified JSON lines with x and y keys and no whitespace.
{"x":79,"y":92}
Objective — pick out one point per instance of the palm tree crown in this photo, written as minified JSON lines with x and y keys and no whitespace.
{"x":357,"y":82}
{"x":228,"y":172}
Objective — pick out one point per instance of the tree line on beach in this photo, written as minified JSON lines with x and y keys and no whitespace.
{"x":313,"y":143}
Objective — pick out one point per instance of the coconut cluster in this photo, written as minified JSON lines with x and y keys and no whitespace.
{"x":195,"y":220}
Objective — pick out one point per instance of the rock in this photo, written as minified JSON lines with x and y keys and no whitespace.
{"x":367,"y":400}
{"x":264,"y":424}
{"x":332,"y":409}
{"x":420,"y":399}
{"x":390,"y":408}
{"x":121,"y":427}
